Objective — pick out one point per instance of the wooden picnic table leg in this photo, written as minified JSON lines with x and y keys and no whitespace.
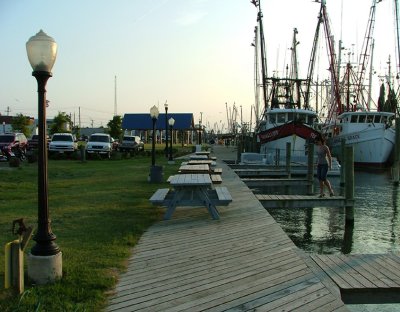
{"x":173,"y":203}
{"x":212,"y":209}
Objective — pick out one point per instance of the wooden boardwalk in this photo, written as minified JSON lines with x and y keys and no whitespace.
{"x":300,"y":201}
{"x":363,"y":278}
{"x":244,"y":261}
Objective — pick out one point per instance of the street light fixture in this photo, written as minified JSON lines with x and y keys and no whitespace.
{"x":166,"y":129}
{"x":45,"y":259}
{"x":171,"y":123}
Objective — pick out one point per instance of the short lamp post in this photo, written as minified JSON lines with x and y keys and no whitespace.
{"x":154,"y":116}
{"x":45,"y":258}
{"x":171,"y":123}
{"x":199,"y":132}
{"x":166,"y":129}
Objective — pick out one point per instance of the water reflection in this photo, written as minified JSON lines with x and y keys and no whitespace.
{"x":323,"y":230}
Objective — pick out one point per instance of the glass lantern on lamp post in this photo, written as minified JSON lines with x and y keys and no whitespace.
{"x":45,"y":259}
{"x":171,"y":123}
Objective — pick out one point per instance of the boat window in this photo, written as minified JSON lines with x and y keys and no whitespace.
{"x":290,"y":116}
{"x":384,"y":119}
{"x":361,"y":118}
{"x":370,"y":118}
{"x":281,"y":118}
{"x":272,"y":118}
{"x":310,"y":120}
{"x":377,"y":119}
{"x":354,"y":118}
{"x":302,"y":118}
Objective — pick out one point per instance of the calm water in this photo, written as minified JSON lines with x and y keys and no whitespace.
{"x":376,"y":220}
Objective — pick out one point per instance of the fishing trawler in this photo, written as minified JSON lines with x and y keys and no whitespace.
{"x":351,"y":119}
{"x":287,"y":117}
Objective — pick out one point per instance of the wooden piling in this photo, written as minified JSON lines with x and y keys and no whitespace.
{"x":342,"y":164}
{"x":310,"y":169}
{"x":288,"y":158}
{"x":396,"y":163}
{"x":349,"y":186}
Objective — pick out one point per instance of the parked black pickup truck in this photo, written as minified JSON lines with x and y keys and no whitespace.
{"x":33,"y":142}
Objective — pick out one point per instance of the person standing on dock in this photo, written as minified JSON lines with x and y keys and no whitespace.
{"x":324,"y":163}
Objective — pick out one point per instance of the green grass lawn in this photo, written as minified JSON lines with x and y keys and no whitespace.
{"x":98,"y":208}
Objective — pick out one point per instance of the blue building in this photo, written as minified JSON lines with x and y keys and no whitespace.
{"x":142,"y":125}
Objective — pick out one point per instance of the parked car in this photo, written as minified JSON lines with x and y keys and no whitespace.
{"x":131,"y":143}
{"x":33,"y":142}
{"x":13,"y":144}
{"x":63,"y":143}
{"x":99,"y":143}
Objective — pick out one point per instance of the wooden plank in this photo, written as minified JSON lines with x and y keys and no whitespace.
{"x":217,"y":170}
{"x":330,"y":268}
{"x":159,"y":196}
{"x":223,"y":193}
{"x":216,"y":178}
{"x":356,"y":265}
{"x":358,"y":281}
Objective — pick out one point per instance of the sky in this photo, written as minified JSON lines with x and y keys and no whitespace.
{"x":196,"y":55}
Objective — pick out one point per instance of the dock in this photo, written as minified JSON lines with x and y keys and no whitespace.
{"x":243,"y":262}
{"x":300,"y":201}
{"x":372,"y":278}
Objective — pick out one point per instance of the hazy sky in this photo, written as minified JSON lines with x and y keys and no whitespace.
{"x":195,"y":54}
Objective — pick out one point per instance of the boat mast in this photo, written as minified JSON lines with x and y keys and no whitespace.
{"x":365,"y":52}
{"x":336,"y":107}
{"x":257,"y":4}
{"x":256,"y":77}
{"x":310,"y":71}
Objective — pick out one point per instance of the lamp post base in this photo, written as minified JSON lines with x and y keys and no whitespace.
{"x":156,"y":174}
{"x":45,"y":269}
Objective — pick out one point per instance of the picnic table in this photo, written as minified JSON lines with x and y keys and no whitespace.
{"x":192,"y":190}
{"x":207,"y":153}
{"x":200,"y":168}
{"x":198,"y":157}
{"x":201,"y":162}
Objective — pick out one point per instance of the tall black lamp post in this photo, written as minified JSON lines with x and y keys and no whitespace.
{"x":171,"y":123}
{"x":155,"y":171}
{"x":166,"y":129}
{"x":45,"y":259}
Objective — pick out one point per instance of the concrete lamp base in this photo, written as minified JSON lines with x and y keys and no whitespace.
{"x":45,"y":269}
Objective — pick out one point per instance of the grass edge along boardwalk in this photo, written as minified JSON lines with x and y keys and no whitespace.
{"x":242,"y":261}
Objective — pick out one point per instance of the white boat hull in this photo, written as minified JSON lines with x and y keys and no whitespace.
{"x":372,"y":145}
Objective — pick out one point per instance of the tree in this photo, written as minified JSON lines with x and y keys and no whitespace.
{"x":115,"y":127}
{"x":21,"y":123}
{"x":61,"y":123}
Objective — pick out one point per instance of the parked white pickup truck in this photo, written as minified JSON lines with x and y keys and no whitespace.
{"x":63,"y":143}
